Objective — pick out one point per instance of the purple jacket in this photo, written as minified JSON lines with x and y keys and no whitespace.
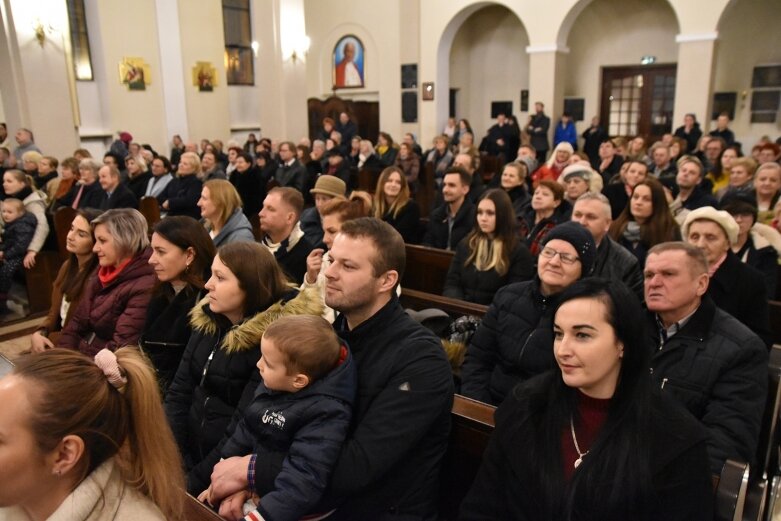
{"x":112,"y":316}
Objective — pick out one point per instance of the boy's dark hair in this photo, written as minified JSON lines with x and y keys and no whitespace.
{"x":308,"y":344}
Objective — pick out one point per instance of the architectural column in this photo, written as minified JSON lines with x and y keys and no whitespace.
{"x":281,"y":73}
{"x":694,"y":77}
{"x":546,"y":81}
{"x":170,"y":66}
{"x":37,"y":85}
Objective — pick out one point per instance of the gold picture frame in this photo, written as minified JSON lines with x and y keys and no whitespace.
{"x":135,"y":73}
{"x":204,"y":76}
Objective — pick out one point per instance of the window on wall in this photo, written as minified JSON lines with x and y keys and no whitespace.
{"x":766,"y":95}
{"x":239,"y":58}
{"x":77,"y":20}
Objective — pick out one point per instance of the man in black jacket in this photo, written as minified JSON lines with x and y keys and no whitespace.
{"x":389,"y":466}
{"x":538,"y":132}
{"x":613,"y":262}
{"x":290,"y":172}
{"x":115,"y":193}
{"x":706,"y":359}
{"x":282,"y":233}
{"x":452,"y":221}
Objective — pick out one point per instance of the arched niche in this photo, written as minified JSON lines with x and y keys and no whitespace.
{"x":323,"y":57}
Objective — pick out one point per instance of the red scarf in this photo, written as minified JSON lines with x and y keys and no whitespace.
{"x":107,"y":274}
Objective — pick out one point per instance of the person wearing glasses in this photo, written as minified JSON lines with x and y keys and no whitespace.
{"x":513,"y":342}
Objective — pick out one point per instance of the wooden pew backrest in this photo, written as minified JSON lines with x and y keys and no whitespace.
{"x":426,"y":268}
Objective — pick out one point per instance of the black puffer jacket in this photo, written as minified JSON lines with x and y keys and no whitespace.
{"x":167,"y":330}
{"x":467,"y":283}
{"x":310,"y":426}
{"x":717,"y":368}
{"x":217,"y":365}
{"x":437,"y":233}
{"x":513,"y":343}
{"x":614,"y":262}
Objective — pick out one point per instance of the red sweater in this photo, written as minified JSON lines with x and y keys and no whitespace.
{"x":593,"y":413}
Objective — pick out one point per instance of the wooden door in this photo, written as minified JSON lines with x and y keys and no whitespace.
{"x":638,"y":101}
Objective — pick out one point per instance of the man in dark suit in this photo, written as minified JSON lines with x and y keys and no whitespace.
{"x":538,"y":132}
{"x":291,"y":172}
{"x":282,"y":233}
{"x":116,"y":194}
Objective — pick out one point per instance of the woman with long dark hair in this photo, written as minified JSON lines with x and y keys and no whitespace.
{"x":182,"y":253}
{"x":591,"y":440}
{"x":491,"y":256}
{"x":393,"y":204}
{"x":646,"y":221}
{"x":71,"y":280}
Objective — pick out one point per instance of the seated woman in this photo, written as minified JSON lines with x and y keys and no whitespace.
{"x":386,"y":150}
{"x":90,"y":434}
{"x":632,"y":173}
{"x":767,"y":182}
{"x":719,"y":175}
{"x":368,"y":158}
{"x":220,"y":206}
{"x":441,"y":158}
{"x":513,"y":181}
{"x":69,"y":175}
{"x":409,"y":163}
{"x":161,"y":176}
{"x":113,"y":306}
{"x":637,"y":151}
{"x":19,"y":186}
{"x":738,"y":289}
{"x":595,"y":439}
{"x":579,"y":178}
{"x":30,"y":160}
{"x":247,"y":292}
{"x":393,"y":205}
{"x":491,"y":256}
{"x":334,"y":213}
{"x":646,"y":221}
{"x":180,"y":196}
{"x":513,"y":341}
{"x":552,"y":169}
{"x":250,"y":182}
{"x":138,"y":175}
{"x":182,"y":253}
{"x":70,"y":282}
{"x":547,"y":209}
{"x":741,"y":179}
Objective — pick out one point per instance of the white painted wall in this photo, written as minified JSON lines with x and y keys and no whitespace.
{"x":748,"y":36}
{"x":488,"y":62}
{"x":605,"y":36}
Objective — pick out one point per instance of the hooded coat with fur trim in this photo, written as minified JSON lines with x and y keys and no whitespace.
{"x":217,"y":365}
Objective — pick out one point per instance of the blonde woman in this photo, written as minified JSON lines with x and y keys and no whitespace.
{"x":393,"y":205}
{"x":180,"y":196}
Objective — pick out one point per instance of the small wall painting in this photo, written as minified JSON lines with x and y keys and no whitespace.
{"x":134,"y":73}
{"x":204,"y":76}
{"x":348,"y":63}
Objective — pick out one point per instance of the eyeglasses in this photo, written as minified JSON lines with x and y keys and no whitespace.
{"x":566,"y":258}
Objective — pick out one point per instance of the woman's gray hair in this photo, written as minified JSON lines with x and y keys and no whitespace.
{"x":129,"y":229}
{"x":90,"y":163}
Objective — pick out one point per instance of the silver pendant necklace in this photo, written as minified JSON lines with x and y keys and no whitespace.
{"x":575,"y":441}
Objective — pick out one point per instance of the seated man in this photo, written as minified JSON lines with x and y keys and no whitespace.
{"x":282,"y":233}
{"x":613,"y":262}
{"x":116,"y":194}
{"x":389,"y":467}
{"x":452,"y":221}
{"x":326,"y":188}
{"x":705,"y":358}
{"x":467,"y":162}
{"x":690,"y":194}
{"x":338,"y":167}
{"x":662,"y":167}
{"x":290,"y":172}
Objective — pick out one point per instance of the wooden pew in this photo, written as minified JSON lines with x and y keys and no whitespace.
{"x":426,"y":194}
{"x":150,"y":209}
{"x":730,"y":487}
{"x":40,"y":279}
{"x":426,"y":268}
{"x":194,"y":510}
{"x":367,"y":180}
{"x":417,"y":300}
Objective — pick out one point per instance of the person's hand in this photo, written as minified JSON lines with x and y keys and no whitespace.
{"x":39,"y":343}
{"x":232,"y":507}
{"x":29,"y":259}
{"x":314,"y":262}
{"x":228,"y":477}
{"x":2,"y":255}
{"x":203,"y":497}
{"x":165,"y":205}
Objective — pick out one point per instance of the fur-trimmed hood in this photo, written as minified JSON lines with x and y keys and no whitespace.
{"x":763,"y":235}
{"x":246,"y":335}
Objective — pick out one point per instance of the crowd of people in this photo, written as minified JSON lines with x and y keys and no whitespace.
{"x":256,"y":336}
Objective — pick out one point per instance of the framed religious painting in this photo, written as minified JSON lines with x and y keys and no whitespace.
{"x":348,"y":63}
{"x":135,"y":73}
{"x":204,"y":76}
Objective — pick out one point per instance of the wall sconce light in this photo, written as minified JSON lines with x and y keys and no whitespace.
{"x":255,"y":47}
{"x":41,"y":30}
{"x":299,"y":49}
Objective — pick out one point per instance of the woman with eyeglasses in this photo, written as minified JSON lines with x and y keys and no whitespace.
{"x":513,"y":341}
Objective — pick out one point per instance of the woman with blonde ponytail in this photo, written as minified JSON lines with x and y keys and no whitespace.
{"x":491,"y":256}
{"x":86,"y":440}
